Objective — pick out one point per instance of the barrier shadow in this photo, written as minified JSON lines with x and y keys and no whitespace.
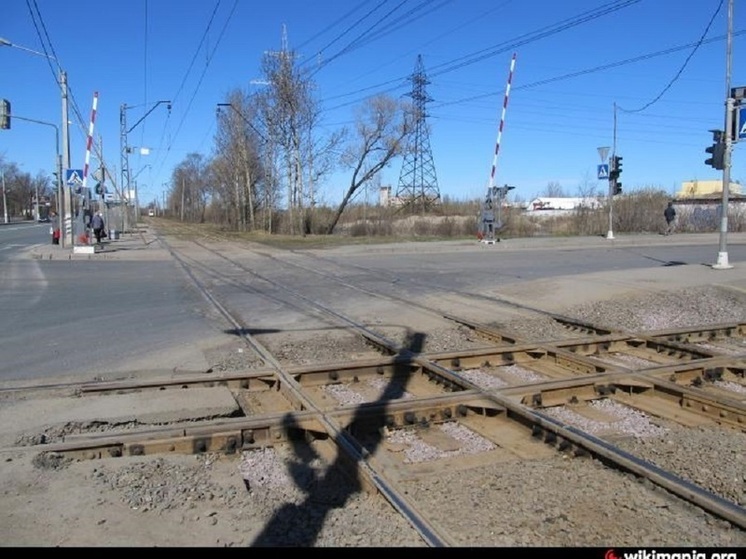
{"x":299,"y":525}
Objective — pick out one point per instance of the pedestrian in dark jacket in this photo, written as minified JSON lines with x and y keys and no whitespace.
{"x":670,"y":214}
{"x":97,"y":224}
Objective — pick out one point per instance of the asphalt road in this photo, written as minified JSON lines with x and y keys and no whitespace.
{"x":60,"y":316}
{"x":110,"y":313}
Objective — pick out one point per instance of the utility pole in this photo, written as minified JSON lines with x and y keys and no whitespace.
{"x":183,"y":187}
{"x":722,"y":260}
{"x":58,"y":163}
{"x":610,"y":234}
{"x":36,"y":200}
{"x":124,"y":154}
{"x":62,"y":202}
{"x":5,"y":199}
{"x":66,"y":233}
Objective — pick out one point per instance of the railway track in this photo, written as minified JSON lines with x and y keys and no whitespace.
{"x":505,"y":393}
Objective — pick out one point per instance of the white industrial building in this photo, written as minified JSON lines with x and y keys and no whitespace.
{"x":548,"y":205}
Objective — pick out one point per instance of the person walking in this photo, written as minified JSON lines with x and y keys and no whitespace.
{"x":97,"y":224}
{"x":670,"y":214}
{"x":54,"y":228}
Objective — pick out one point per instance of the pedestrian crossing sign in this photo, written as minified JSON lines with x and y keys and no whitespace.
{"x":74,"y":177}
{"x":603,"y":171}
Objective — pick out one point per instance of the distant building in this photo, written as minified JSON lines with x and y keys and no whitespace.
{"x":384,"y":195}
{"x":548,"y":205}
{"x":697,"y":188}
{"x":385,"y":198}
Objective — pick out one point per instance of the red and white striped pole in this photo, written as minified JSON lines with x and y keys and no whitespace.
{"x":502,"y":123}
{"x":88,"y":155}
{"x":90,"y":139}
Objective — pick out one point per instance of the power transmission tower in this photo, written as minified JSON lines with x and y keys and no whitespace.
{"x":418,"y":185}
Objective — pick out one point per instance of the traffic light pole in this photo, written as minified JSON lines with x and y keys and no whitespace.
{"x":722,"y":260}
{"x":610,"y":234}
{"x":58,"y":163}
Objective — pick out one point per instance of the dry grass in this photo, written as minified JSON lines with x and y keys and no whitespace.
{"x":639,"y":212}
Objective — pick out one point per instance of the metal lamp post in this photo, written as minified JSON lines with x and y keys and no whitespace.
{"x":248,"y":122}
{"x":5,"y":199}
{"x":64,"y":159}
{"x":722,"y":259}
{"x":58,"y":163}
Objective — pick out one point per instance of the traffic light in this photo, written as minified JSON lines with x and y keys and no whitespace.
{"x":616,"y":168}
{"x":617,"y":188}
{"x":716,"y":151}
{"x":502,"y":191}
{"x":4,"y":114}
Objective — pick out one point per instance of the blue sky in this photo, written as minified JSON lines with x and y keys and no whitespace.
{"x":575,"y":60}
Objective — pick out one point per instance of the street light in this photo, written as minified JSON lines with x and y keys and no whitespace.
{"x":65,"y":158}
{"x":264,"y":141}
{"x":246,"y":120}
{"x":59,"y":168}
{"x":5,"y":199}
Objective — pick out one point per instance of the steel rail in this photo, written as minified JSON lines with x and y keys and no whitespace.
{"x":429,"y":533}
{"x":675,"y":484}
{"x":608,"y":452}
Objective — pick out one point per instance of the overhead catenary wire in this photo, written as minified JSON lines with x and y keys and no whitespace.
{"x":201,"y":78}
{"x":174,"y":98}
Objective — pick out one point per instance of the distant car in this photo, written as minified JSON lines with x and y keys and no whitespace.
{"x":44,"y":219}
{"x":151,"y":213}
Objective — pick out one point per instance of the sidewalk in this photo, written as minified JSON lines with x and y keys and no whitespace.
{"x":139,"y":244}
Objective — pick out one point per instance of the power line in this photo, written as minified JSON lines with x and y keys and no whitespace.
{"x":681,"y":70}
{"x":351,"y":46}
{"x":184,"y":79}
{"x":402,"y":21}
{"x":369,"y":35}
{"x":489,"y":52}
{"x":196,"y":52}
{"x":350,"y":28}
{"x":46,"y":39}
{"x":43,"y":46}
{"x":199,"y":83}
{"x":533,"y":36}
{"x":332,"y":25}
{"x":593,"y":69}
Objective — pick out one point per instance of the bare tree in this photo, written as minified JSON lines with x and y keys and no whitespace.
{"x":383,"y":126}
{"x":588,"y":187}
{"x":191,"y":187}
{"x":554,"y":190}
{"x":238,"y":146}
{"x":17,"y":188}
{"x":291,"y":116}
